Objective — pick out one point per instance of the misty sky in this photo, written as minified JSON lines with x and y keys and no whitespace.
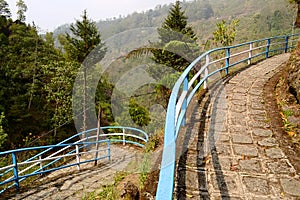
{"x":49,"y":14}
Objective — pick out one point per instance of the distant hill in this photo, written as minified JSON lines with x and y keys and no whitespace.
{"x":258,"y":18}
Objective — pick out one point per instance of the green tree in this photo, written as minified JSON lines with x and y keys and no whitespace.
{"x":175,"y":35}
{"x":58,"y":88}
{"x":22,"y":8}
{"x":138,"y":114}
{"x":22,"y":97}
{"x":225,"y":33}
{"x":4,"y":9}
{"x":85,"y":47}
{"x":3,"y":135}
{"x":85,"y":39}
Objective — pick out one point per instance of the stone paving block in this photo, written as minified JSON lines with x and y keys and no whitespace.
{"x":268,"y":142}
{"x":238,"y":129}
{"x":240,"y":102}
{"x":223,"y":137}
{"x":274,"y":153}
{"x":252,"y":165}
{"x":257,"y":112}
{"x":240,"y":90}
{"x":279,"y":167}
{"x":256,"y":185}
{"x":224,"y":149}
{"x":291,"y":186}
{"x":238,"y":121}
{"x":221,"y":163}
{"x":238,"y":108}
{"x":262,"y":132}
{"x":225,"y":183}
{"x":242,"y":139}
{"x":192,"y":160}
{"x":192,"y":179}
{"x":257,"y":106}
{"x":258,"y":118}
{"x":259,"y":99}
{"x":258,"y":124}
{"x":246,"y":150}
{"x":255,"y":92}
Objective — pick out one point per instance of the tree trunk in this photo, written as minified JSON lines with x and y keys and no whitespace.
{"x":84,"y":100}
{"x":98,"y":133}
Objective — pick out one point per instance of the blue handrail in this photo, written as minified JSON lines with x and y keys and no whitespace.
{"x":180,"y":99}
{"x":66,"y":149}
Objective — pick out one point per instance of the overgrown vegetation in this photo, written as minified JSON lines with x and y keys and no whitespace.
{"x":287,"y":98}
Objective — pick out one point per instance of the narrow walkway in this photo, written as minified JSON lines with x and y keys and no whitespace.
{"x":72,"y":184}
{"x":231,"y":151}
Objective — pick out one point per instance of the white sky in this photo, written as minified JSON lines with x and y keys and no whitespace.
{"x":49,"y":14}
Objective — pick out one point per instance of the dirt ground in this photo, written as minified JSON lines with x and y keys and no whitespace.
{"x":277,"y":100}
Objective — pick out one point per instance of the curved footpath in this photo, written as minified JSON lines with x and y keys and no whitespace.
{"x":72,"y":184}
{"x":231,"y":151}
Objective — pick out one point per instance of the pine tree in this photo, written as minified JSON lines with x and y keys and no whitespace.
{"x":87,"y":49}
{"x":22,"y":8}
{"x":85,"y":39}
{"x":176,"y":39}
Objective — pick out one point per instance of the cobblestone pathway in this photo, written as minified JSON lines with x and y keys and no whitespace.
{"x":232,"y":152}
{"x":72,"y":184}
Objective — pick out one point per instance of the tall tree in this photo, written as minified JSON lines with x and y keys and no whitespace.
{"x":22,"y":8}
{"x":85,"y":38}
{"x":174,"y":35}
{"x":4,"y":9}
{"x":58,"y":88}
{"x":85,"y":47}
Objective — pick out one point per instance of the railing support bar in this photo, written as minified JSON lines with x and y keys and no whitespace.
{"x":250,"y":53}
{"x":41,"y":163}
{"x":286,"y":44}
{"x":16,"y":175}
{"x":108,"y":150}
{"x":77,"y":157}
{"x":206,"y":71}
{"x":184,"y":105}
{"x":268,"y":48}
{"x":124,"y":141}
{"x":227,"y":60}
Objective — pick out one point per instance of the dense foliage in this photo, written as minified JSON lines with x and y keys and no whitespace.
{"x":38,"y":71}
{"x":37,"y":79}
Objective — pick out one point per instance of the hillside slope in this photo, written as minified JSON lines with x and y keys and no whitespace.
{"x":259,"y":18}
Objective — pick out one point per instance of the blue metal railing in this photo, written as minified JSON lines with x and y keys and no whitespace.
{"x":51,"y":154}
{"x":211,"y":62}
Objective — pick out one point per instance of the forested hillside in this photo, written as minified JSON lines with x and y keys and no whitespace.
{"x":38,"y":71}
{"x":258,"y":18}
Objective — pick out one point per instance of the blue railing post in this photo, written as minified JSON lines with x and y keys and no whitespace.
{"x":227,"y":59}
{"x":286,"y":44}
{"x":108,"y":149}
{"x":268,"y":47}
{"x":16,"y":175}
{"x":184,"y":105}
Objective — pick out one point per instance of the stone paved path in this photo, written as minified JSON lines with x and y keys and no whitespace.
{"x":72,"y":184}
{"x":231,"y":151}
